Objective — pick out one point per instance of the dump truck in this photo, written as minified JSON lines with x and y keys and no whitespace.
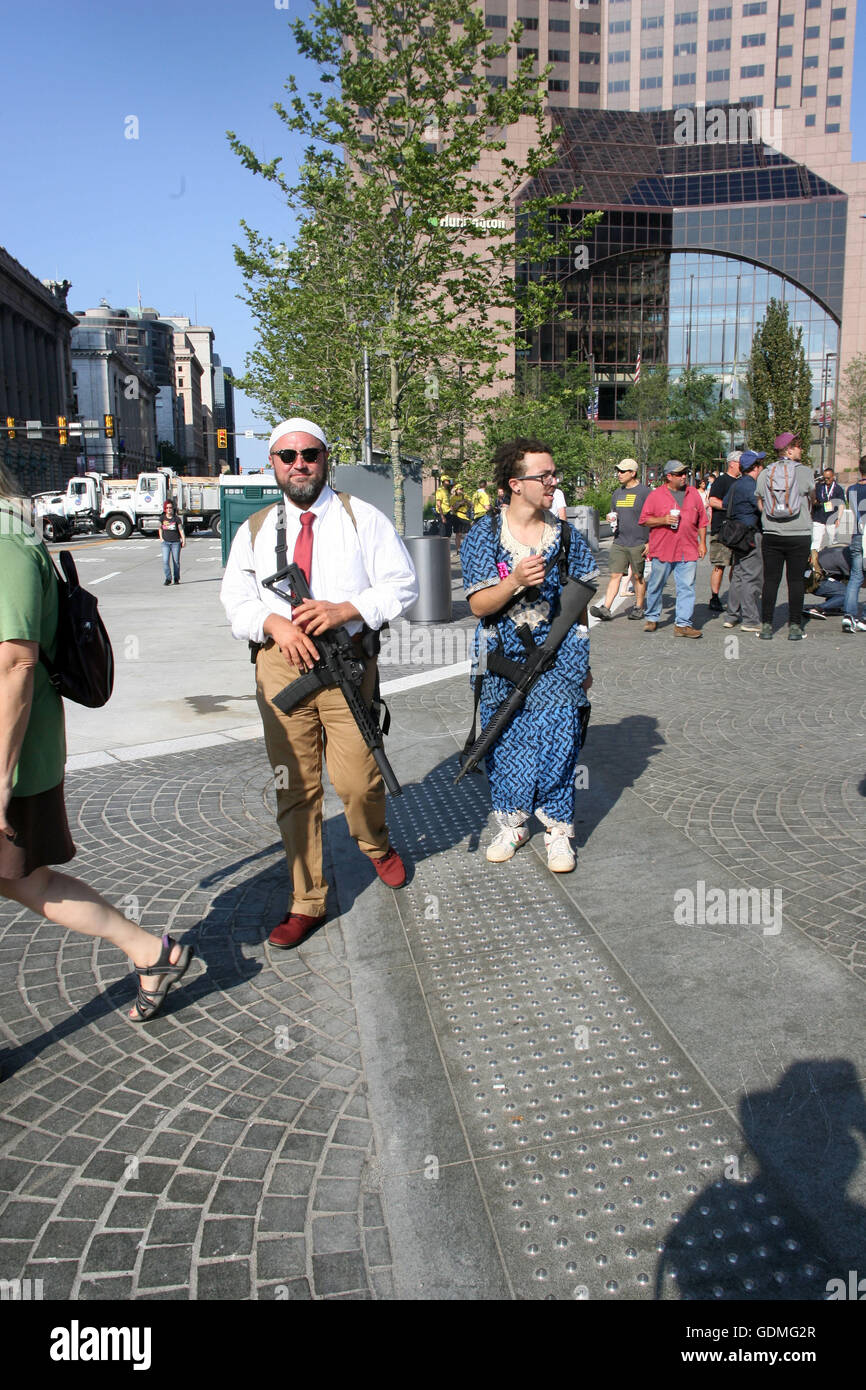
{"x":119,"y":506}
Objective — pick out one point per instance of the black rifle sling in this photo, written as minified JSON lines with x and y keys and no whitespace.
{"x":495,"y":658}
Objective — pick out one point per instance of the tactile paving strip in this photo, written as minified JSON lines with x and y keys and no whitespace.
{"x":601,"y":1150}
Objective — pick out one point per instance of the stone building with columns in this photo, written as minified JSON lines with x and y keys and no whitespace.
{"x":35,"y":376}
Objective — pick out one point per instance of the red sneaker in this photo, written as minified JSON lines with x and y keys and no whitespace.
{"x":292,"y":932}
{"x":390,"y":869}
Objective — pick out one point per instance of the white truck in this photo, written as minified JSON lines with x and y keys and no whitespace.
{"x":120,"y":506}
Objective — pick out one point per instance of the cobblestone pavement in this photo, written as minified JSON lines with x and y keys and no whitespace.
{"x":496,"y":1083}
{"x":224,"y":1151}
{"x":765,"y":763}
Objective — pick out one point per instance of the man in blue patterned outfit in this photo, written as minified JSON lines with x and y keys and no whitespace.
{"x":511,"y":575}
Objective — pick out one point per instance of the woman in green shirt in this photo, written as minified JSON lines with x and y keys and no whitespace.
{"x":34,"y":832}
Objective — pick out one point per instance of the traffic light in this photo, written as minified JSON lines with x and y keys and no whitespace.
{"x":222,"y":439}
{"x":10,"y":426}
{"x":62,"y":432}
{"x":109,"y":426}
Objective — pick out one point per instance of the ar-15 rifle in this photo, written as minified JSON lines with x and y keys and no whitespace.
{"x":337,"y":666}
{"x":574,"y":597}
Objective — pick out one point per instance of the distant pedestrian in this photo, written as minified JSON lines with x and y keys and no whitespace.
{"x":557,"y":506}
{"x":677,"y":520}
{"x":828,"y":505}
{"x":630,"y":540}
{"x":747,"y":572}
{"x":857,"y":502}
{"x":34,"y":831}
{"x":784,"y":491}
{"x":720,"y":555}
{"x":480,"y":500}
{"x":171,"y":534}
{"x":460,"y":509}
{"x":443,"y":505}
{"x":832,"y":573}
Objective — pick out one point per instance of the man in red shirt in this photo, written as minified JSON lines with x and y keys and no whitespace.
{"x":675,"y":514}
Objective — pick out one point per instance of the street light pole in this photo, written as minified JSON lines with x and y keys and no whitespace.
{"x":368,"y":417}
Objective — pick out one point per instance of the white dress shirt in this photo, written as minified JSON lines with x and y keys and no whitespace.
{"x":558,"y":502}
{"x":369,"y":568}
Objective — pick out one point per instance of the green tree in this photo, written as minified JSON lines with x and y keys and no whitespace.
{"x":551,"y":407}
{"x":648,"y":403}
{"x":778,"y":382}
{"x":851,"y":416}
{"x":696,"y":422}
{"x":397,"y":157}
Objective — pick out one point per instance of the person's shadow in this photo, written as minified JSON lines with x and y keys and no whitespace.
{"x":615,"y":757}
{"x":780,"y":1224}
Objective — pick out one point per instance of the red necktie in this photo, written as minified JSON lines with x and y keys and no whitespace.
{"x":303,"y":556}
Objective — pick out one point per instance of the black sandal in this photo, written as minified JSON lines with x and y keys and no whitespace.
{"x":148,"y":1002}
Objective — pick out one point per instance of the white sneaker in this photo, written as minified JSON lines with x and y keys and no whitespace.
{"x":503,"y":845}
{"x":560,"y":855}
{"x":850,"y":624}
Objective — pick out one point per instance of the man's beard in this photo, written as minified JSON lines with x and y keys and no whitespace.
{"x":306,"y":492}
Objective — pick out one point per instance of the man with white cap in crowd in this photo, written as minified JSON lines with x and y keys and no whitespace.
{"x":360,"y":575}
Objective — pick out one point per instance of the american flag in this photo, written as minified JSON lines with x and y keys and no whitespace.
{"x":592,"y":408}
{"x":637,"y":370}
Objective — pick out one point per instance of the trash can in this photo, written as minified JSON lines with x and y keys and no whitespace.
{"x":431,"y":556}
{"x":585,"y":519}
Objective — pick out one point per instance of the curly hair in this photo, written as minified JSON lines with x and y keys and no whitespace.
{"x":507,"y":462}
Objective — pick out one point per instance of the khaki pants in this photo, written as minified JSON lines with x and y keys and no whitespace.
{"x":294,"y":745}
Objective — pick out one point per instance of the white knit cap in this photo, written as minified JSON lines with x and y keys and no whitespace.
{"x":296,"y":423}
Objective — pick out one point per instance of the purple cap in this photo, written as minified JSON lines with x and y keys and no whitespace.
{"x":783,"y":440}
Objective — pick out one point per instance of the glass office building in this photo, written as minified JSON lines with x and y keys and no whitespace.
{"x":695,"y":240}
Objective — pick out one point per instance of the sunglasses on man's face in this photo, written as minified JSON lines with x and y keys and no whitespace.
{"x":289,"y":455}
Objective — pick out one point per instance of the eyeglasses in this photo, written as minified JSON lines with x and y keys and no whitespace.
{"x":289,"y":455}
{"x":539,"y":478}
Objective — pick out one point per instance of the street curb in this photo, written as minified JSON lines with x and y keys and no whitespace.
{"x":81,"y":762}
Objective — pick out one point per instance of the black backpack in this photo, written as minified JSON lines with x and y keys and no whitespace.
{"x":83,"y":665}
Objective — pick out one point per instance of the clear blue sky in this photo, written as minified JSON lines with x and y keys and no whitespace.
{"x":83,"y":203}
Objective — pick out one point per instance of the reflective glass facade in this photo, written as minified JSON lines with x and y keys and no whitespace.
{"x":716,"y":302}
{"x":694,"y":242}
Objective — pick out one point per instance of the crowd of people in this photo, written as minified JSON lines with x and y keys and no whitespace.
{"x":765,"y":518}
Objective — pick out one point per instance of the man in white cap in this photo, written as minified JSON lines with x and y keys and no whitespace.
{"x":361,"y":577}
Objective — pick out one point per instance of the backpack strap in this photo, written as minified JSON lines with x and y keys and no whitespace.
{"x":257,"y":520}
{"x":346,"y":500}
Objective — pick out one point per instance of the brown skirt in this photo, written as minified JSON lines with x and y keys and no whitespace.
{"x":41,"y":834}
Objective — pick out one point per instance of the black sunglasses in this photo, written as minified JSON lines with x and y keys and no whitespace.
{"x":289,"y":455}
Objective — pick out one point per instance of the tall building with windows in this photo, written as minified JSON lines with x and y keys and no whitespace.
{"x":698,"y":235}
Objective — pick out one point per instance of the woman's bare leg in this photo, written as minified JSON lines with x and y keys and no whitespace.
{"x":75,"y":905}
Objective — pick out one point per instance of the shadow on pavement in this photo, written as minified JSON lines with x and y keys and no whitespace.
{"x":615,"y":757}
{"x":746,"y":1237}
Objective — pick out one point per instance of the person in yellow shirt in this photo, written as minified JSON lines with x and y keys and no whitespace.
{"x":460,"y":509}
{"x":443,"y":505}
{"x":480,"y":500}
